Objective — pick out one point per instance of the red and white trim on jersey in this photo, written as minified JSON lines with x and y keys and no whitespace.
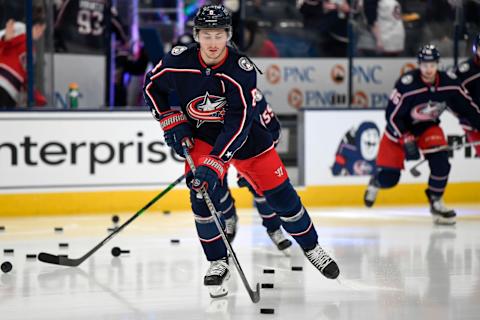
{"x":244,"y":114}
{"x":211,"y":239}
{"x":157,"y":75}
{"x":462,"y":92}
{"x":389,"y":136}
{"x":408,"y":94}
{"x":265,"y":151}
{"x":303,"y":232}
{"x":470,"y":79}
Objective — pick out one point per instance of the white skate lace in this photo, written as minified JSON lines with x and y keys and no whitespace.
{"x":318,"y":257}
{"x":217,"y":268}
{"x":277,"y":236}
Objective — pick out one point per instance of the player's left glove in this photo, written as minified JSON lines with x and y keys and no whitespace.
{"x":176,"y":129}
{"x":209,"y":174}
{"x":410,"y":147}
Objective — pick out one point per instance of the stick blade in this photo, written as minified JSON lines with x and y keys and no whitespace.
{"x":255,"y":295}
{"x":415,"y":172}
{"x":49,"y":258}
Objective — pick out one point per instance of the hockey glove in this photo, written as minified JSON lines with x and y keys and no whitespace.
{"x":410,"y":147}
{"x":176,"y":129}
{"x":209,"y":174}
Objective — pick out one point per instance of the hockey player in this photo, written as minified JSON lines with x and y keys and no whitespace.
{"x":412,"y":115}
{"x":270,"y":220}
{"x":216,"y":89}
{"x":469,"y":75}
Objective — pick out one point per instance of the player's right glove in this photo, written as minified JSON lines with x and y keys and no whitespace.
{"x":176,"y":129}
{"x":410,"y":147}
{"x":209,"y":174}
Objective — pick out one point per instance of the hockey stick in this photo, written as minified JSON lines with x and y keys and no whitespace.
{"x":254,"y":295}
{"x":414,"y":171}
{"x":65,"y":261}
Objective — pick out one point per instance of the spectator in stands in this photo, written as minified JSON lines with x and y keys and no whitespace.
{"x":13,"y":47}
{"x":328,"y":19}
{"x":385,"y":27}
{"x":256,"y":41}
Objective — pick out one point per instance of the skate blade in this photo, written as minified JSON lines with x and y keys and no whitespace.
{"x":442,"y":221}
{"x":287,"y":252}
{"x":220,"y":290}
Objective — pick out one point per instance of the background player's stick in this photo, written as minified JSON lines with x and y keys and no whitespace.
{"x":254,"y":295}
{"x":65,"y":261}
{"x":414,"y":171}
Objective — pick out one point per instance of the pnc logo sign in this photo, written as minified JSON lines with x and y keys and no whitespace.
{"x":273,"y":74}
{"x":295,"y":98}
{"x":337,"y":74}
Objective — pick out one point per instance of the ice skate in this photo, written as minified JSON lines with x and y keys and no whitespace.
{"x":371,"y":193}
{"x":278,"y":238}
{"x":231,"y":227}
{"x":216,"y":278}
{"x":441,"y":214}
{"x":323,"y":262}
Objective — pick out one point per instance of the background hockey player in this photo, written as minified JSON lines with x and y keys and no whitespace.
{"x":412,"y":115}
{"x":216,"y":89}
{"x":468,"y":73}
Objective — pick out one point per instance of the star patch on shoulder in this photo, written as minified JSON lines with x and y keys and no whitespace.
{"x":245,"y":64}
{"x":176,"y":51}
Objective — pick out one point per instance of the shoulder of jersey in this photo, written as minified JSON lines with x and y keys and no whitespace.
{"x":464,"y":67}
{"x":407,"y":80}
{"x":180,"y":52}
{"x":239,"y":61}
{"x":448,"y":77}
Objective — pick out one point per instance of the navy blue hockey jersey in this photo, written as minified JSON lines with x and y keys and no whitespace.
{"x":414,"y":105}
{"x":267,"y":117}
{"x":219,"y":101}
{"x":468,"y":73}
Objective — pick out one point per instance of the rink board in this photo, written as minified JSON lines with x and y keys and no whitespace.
{"x":59,"y":163}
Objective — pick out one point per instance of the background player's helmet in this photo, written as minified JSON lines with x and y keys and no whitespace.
{"x":428,"y":53}
{"x":476,"y":44}
{"x":212,"y":17}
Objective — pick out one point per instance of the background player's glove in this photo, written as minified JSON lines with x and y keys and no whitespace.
{"x":210,"y":172}
{"x":473,"y":136}
{"x":176,"y":129}
{"x":410,"y":147}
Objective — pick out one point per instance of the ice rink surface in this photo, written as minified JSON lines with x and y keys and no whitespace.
{"x":395,"y":264}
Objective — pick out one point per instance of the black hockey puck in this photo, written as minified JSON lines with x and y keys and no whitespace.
{"x":58,"y":229}
{"x":6,"y":267}
{"x":7,"y":250}
{"x":2,"y":228}
{"x":267,"y":311}
{"x":267,"y":285}
{"x":116,"y":251}
{"x":174,"y":241}
{"x":115,"y":219}
{"x":297,"y":268}
{"x":268,"y":271}
{"x":166,"y":211}
{"x":31,"y":256}
{"x":63,"y":245}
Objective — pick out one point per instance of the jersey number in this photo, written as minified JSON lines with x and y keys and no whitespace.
{"x":90,"y":22}
{"x":267,"y":115}
{"x":395,"y":97}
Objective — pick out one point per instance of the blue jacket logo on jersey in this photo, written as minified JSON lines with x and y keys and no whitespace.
{"x":357,"y":151}
{"x":207,"y":108}
{"x":429,"y":111}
